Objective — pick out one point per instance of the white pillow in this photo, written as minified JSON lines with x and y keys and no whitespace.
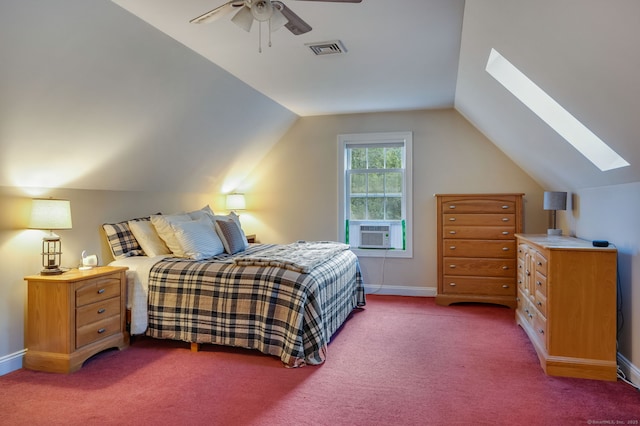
{"x":198,"y":239}
{"x":162,"y":223}
{"x":148,"y":238}
{"x":236,"y":219}
{"x":204,"y":212}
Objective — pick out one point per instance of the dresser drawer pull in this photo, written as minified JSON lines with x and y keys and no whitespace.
{"x":504,"y":268}
{"x":505,"y":232}
{"x":539,"y":263}
{"x":505,"y":248}
{"x":101,"y":291}
{"x":452,"y":232}
{"x":530,"y":316}
{"x":452,"y":266}
{"x":102,"y":330}
{"x":505,"y":285}
{"x":505,"y":207}
{"x":505,"y":219}
{"x":527,"y":272}
{"x":452,"y":284}
{"x":538,"y":283}
{"x":452,"y":248}
{"x":541,"y":331}
{"x":452,"y":206}
{"x":539,"y":303}
{"x":452,"y":219}
{"x":101,"y":310}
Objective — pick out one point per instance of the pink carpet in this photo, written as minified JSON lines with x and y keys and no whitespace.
{"x":400,"y":361}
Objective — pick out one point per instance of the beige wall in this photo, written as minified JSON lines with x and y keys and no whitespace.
{"x":293,"y":193}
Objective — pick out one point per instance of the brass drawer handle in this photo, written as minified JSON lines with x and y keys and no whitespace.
{"x":504,"y":268}
{"x":505,"y":207}
{"x":101,"y":291}
{"x":505,"y":219}
{"x":102,"y":330}
{"x":101,"y":310}
{"x":452,"y":232}
{"x":505,"y":285}
{"x":452,"y":206}
{"x":452,"y":248}
{"x":452,"y":284}
{"x":505,"y":248}
{"x":452,"y":266}
{"x":452,"y":219}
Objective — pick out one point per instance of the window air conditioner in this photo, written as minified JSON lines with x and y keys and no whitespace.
{"x":375,"y":236}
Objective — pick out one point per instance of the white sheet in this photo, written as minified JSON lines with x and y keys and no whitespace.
{"x":138,"y":288}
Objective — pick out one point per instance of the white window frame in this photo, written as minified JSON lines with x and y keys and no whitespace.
{"x":405,"y":138}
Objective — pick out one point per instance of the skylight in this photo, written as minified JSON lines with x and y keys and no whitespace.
{"x":552,"y":113}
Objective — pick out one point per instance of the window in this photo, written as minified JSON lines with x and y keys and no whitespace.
{"x":375,"y":193}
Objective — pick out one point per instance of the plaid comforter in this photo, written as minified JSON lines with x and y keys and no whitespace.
{"x":275,"y":310}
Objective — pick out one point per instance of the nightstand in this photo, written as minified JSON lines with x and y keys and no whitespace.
{"x":73,"y":316}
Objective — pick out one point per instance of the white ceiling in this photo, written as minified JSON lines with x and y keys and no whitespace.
{"x":378,"y":72}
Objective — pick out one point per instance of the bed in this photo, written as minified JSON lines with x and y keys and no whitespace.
{"x":282,"y":300}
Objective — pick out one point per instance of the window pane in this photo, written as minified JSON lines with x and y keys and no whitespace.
{"x":394,"y":183}
{"x":375,"y":208}
{"x":394,"y":208}
{"x":358,"y":158}
{"x":358,"y":183}
{"x":358,"y":211}
{"x":376,"y":183}
{"x":376,"y":158}
{"x":394,"y":158}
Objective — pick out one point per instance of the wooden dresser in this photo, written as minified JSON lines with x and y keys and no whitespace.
{"x":567,"y":304}
{"x":73,"y":316}
{"x":477,"y":247}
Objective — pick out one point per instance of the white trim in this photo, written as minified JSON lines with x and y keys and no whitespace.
{"x":394,"y":290}
{"x":631,"y":371}
{"x":11,"y":362}
{"x":364,"y":138}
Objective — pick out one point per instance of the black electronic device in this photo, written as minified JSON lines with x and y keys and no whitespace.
{"x":600,"y":243}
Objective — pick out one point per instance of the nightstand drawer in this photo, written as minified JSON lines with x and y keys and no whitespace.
{"x":97,"y":289}
{"x":97,"y":330}
{"x":97,"y":311}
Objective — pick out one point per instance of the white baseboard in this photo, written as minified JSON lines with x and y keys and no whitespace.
{"x":11,"y":362}
{"x":400,"y":290}
{"x":630,"y":371}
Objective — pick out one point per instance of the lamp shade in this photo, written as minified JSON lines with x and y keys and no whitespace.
{"x":50,"y":214}
{"x":235,"y":202}
{"x":555,"y":200}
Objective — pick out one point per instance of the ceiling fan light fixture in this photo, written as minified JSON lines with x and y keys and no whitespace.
{"x":262,"y":10}
{"x":243,"y":19}
{"x":277,"y":21}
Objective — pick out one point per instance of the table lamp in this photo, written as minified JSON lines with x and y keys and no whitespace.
{"x":49,"y":214}
{"x":555,"y":201}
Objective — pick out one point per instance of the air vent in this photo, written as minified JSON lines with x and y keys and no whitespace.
{"x":327,"y":47}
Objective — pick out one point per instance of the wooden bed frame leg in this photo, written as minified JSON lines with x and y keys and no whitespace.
{"x":195,"y":347}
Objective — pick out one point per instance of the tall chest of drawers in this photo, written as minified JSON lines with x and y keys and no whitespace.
{"x":567,"y":304}
{"x":477,"y":247}
{"x":73,"y":316}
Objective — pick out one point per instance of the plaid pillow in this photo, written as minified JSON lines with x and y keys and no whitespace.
{"x":230,"y":235}
{"x":121,"y":240}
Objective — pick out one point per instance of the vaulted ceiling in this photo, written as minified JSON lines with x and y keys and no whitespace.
{"x":146,"y":88}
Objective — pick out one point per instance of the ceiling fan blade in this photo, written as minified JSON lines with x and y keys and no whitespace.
{"x":218,"y":12}
{"x":296,"y":25}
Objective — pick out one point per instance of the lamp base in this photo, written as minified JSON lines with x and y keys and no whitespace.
{"x":555,"y":232}
{"x":51,"y":271}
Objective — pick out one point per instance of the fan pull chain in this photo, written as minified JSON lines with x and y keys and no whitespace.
{"x":259,"y":36}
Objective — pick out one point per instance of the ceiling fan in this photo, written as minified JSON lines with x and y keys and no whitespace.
{"x":274,"y":12}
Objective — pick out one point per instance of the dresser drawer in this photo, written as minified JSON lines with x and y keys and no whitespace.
{"x":479,"y":232}
{"x":541,"y":263}
{"x":540,"y":284}
{"x":479,"y":219}
{"x":97,"y":289}
{"x":540,"y":302}
{"x":478,"y":206}
{"x":97,"y":330}
{"x":97,"y":311}
{"x":480,"y":267}
{"x":479,"y":248}
{"x":491,"y":286}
